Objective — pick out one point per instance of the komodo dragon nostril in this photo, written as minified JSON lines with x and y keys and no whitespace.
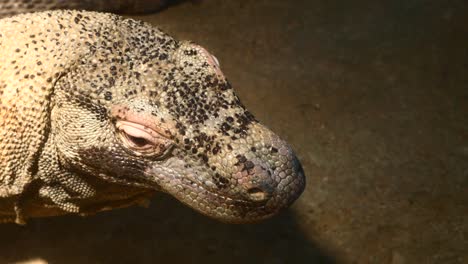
{"x":257,"y":195}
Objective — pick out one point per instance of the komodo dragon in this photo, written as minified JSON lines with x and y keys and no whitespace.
{"x":99,"y":112}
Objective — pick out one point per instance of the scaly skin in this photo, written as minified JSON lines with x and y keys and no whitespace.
{"x":99,"y":112}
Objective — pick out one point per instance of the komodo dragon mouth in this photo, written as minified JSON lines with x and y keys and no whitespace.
{"x":251,"y":189}
{"x":96,"y":96}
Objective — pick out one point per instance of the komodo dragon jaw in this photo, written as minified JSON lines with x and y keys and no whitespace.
{"x":131,"y":110}
{"x":249,"y":183}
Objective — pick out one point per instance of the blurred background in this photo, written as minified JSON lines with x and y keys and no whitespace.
{"x":373,"y":96}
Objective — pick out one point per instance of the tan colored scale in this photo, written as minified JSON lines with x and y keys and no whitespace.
{"x":28,"y":72}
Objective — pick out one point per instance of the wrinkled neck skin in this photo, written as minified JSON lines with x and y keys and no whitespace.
{"x":143,"y":111}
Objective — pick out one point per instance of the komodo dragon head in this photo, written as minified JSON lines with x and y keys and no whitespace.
{"x":140,"y":109}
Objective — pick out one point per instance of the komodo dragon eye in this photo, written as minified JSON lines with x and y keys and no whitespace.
{"x":143,"y":141}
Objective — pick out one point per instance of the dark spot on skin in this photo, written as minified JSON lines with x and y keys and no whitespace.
{"x":108,"y":96}
{"x":190,"y":52}
{"x":216,"y":150}
{"x":249,"y":165}
{"x":241,"y":158}
{"x":220,"y":181}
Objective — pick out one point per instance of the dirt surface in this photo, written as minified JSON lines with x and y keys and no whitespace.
{"x":372,"y":95}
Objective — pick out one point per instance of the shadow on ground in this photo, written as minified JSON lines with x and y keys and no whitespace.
{"x":166,"y":232}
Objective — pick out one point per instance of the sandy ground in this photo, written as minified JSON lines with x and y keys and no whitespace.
{"x":372,"y":95}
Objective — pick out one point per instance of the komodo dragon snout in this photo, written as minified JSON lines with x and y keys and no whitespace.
{"x":138,"y":111}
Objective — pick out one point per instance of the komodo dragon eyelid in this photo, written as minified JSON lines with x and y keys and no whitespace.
{"x":142,"y":141}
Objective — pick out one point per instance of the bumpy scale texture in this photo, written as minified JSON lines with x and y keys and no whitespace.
{"x":98,"y":112}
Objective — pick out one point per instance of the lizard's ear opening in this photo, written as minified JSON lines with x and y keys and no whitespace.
{"x":143,"y":141}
